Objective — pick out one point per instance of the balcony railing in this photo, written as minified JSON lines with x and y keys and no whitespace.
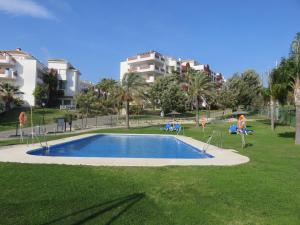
{"x":6,"y":59}
{"x":8,"y":75}
{"x":147,"y":68}
{"x":132,"y":58}
{"x":146,"y":56}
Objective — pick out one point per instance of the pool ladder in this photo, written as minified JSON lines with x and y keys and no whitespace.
{"x":34,"y":136}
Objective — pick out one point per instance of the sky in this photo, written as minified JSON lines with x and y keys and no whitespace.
{"x":95,"y":35}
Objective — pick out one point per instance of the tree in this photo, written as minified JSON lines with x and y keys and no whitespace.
{"x":49,"y":89}
{"x":105,"y":87}
{"x":132,"y":88}
{"x":40,"y":94}
{"x":109,"y":95}
{"x":247,"y":87}
{"x":200,"y":86}
{"x":85,"y":102}
{"x":10,"y":94}
{"x":166,"y":93}
{"x":295,"y":55}
{"x":226,"y":97}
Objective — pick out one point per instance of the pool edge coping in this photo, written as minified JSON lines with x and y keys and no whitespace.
{"x":221,"y":157}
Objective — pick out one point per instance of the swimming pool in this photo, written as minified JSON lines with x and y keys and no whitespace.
{"x":124,"y":146}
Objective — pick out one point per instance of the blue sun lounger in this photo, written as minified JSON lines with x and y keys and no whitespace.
{"x":177,"y":127}
{"x":233,"y":129}
{"x":168,"y":127}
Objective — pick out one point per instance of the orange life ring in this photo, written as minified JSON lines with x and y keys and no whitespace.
{"x":22,"y":118}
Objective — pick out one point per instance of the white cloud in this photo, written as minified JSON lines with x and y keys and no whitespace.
{"x":25,"y":7}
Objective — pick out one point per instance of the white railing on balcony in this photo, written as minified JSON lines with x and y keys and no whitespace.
{"x":148,"y":56}
{"x":7,"y":74}
{"x":147,"y":68}
{"x":6,"y":59}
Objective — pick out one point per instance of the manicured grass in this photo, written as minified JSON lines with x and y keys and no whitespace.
{"x":264,"y":191}
{"x":9,"y":119}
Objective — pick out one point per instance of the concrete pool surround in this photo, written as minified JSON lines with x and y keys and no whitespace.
{"x":221,"y":157}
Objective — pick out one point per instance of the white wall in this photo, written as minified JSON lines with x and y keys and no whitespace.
{"x":123,"y":69}
{"x":26,"y":79}
{"x":71,"y":76}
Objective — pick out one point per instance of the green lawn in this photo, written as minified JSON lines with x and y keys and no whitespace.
{"x":264,"y":191}
{"x":9,"y":119}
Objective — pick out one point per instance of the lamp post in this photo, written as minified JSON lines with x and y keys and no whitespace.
{"x":43,"y":106}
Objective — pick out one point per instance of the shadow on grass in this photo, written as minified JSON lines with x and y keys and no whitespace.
{"x":287,"y":135}
{"x":247,"y":145}
{"x":277,"y":123}
{"x":121,"y":205}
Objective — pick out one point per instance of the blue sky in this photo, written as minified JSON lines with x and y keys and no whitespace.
{"x":231,"y":36}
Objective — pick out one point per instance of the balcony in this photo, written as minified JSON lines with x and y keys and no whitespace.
{"x":150,"y":56}
{"x":147,"y":69}
{"x":6,"y":60}
{"x":8,"y":75}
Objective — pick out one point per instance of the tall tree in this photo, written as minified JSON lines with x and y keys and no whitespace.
{"x":295,"y":55}
{"x":48,"y":90}
{"x":247,"y":86}
{"x":105,"y":86}
{"x":132,"y":87}
{"x":200,"y":86}
{"x":166,"y":93}
{"x":86,"y":102}
{"x":10,"y":94}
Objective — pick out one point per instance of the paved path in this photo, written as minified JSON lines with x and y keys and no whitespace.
{"x":90,"y":124}
{"x":80,"y":126}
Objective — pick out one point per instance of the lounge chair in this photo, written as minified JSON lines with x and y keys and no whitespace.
{"x":168,"y":127}
{"x":233,"y":129}
{"x":177,"y":127}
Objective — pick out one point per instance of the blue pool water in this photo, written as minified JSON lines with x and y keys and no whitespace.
{"x":130,"y":146}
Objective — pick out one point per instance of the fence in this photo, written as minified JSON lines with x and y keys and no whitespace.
{"x":109,"y":121}
{"x":283,"y":115}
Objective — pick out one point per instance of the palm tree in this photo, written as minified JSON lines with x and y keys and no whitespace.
{"x":295,"y":50}
{"x":10,"y":94}
{"x":200,"y":86}
{"x":132,"y":87}
{"x":105,"y":86}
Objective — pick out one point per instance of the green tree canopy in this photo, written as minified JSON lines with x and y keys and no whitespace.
{"x":10,"y":94}
{"x":247,"y":86}
{"x":166,"y":94}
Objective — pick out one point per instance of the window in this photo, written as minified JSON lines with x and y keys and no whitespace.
{"x":62,"y":84}
{"x":67,"y":102}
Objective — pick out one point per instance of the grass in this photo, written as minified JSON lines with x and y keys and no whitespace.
{"x":264,"y":191}
{"x":9,"y":119}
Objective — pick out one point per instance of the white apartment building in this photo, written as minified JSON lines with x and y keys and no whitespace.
{"x":153,"y":64}
{"x":69,"y":80}
{"x":23,"y":70}
{"x":195,"y":65}
{"x":85,"y":85}
{"x":150,"y":64}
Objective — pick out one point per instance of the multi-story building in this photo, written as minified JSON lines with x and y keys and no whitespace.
{"x":68,"y":80}
{"x":150,"y":64}
{"x":85,"y":85}
{"x":153,"y":64}
{"x":23,"y":70}
{"x":195,"y":65}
